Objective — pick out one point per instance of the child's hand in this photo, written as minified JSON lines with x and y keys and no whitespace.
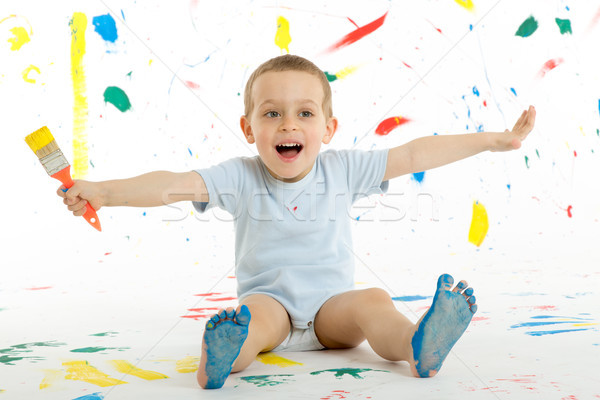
{"x":79,"y":195}
{"x":511,"y":140}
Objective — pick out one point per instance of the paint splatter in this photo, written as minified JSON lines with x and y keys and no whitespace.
{"x":13,"y":353}
{"x":527,"y":28}
{"x":547,"y":320}
{"x":117,"y":97}
{"x":549,"y":66}
{"x":26,"y":72}
{"x":410,"y":298}
{"x":93,"y":396}
{"x":282,"y":36}
{"x":267,"y":380}
{"x":353,"y":372}
{"x":357,"y":34}
{"x":527,"y":162}
{"x":187,"y":365}
{"x":564,"y":25}
{"x":570,"y":211}
{"x":274,"y":359}
{"x":82,"y":371}
{"x":50,"y":377}
{"x":341,"y":74}
{"x":479,"y":224}
{"x":110,"y":334}
{"x":20,"y":37}
{"x":78,"y":25}
{"x":106,"y":27}
{"x":97,"y":349}
{"x":418,"y":176}
{"x":126,"y":367}
{"x":202,"y":312}
{"x":467,"y":4}
{"x":389,"y":124}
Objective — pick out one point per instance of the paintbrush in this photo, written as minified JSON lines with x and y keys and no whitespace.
{"x":44,"y":146}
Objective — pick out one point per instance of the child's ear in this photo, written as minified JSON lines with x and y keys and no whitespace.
{"x":247,"y":129}
{"x":332,"y":125}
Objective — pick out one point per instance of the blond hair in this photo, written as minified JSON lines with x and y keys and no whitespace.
{"x":288,"y":62}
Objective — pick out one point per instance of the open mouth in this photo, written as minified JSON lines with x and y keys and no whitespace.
{"x":289,"y":150}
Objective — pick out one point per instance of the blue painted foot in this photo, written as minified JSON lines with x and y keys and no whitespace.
{"x":224,"y":335}
{"x":442,"y":325}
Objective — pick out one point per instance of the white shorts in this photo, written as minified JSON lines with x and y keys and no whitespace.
{"x":300,"y":340}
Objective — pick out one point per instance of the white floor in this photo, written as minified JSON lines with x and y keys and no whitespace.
{"x":122,"y":300}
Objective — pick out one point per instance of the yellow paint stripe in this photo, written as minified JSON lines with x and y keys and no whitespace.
{"x":82,"y":371}
{"x":187,"y":364}
{"x":341,"y":74}
{"x":586,"y":324}
{"x":50,"y":377}
{"x":126,"y":367}
{"x":80,"y":105}
{"x":479,"y":224}
{"x":274,"y":359}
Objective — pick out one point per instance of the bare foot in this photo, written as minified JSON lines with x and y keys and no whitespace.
{"x":442,"y":325}
{"x":224,"y":335}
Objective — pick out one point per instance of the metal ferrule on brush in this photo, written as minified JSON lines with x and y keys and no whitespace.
{"x":54,"y":162}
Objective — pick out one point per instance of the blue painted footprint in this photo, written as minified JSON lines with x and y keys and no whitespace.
{"x":442,"y":325}
{"x":224,"y":335}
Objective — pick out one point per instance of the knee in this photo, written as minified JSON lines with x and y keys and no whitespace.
{"x":375,"y":295}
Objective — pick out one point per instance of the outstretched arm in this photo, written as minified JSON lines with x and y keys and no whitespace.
{"x":434,"y":151}
{"x":152,"y":189}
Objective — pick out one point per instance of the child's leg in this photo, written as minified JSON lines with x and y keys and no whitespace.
{"x":233,"y":338}
{"x":349,"y":318}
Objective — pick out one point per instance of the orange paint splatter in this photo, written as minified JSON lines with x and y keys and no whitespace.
{"x":389,"y":124}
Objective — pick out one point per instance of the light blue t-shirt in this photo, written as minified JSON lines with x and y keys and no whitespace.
{"x":293,"y":241}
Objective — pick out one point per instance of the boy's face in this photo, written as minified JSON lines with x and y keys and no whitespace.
{"x":287,"y":123}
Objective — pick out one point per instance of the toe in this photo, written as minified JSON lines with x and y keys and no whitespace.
{"x":474,"y":308}
{"x":468,"y":292}
{"x":242,"y":315}
{"x":215,"y":318}
{"x":472,"y":300}
{"x":460,"y":286}
{"x":223,"y":314}
{"x":445,"y":282}
{"x":230,"y":312}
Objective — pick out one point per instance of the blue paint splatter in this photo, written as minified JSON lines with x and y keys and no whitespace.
{"x":419,"y":176}
{"x":598,"y":106}
{"x":542,"y":333}
{"x":410,"y":298}
{"x":93,"y":396}
{"x":190,"y":151}
{"x":106,"y":27}
{"x":513,"y":91}
{"x":475,"y":91}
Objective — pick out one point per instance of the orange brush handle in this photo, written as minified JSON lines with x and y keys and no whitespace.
{"x":64,"y":175}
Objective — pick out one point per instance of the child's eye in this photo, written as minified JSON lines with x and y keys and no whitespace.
{"x":271,"y":114}
{"x":306,"y":114}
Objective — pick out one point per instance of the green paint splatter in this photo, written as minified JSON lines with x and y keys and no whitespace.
{"x":527,"y":162}
{"x":353,"y":372}
{"x":97,"y":349}
{"x":13,"y":353}
{"x":104,"y":334}
{"x":564,"y":25}
{"x":8,"y":360}
{"x":267,"y":380}
{"x":527,"y":28}
{"x":117,"y":97}
{"x":597,"y":132}
{"x":330,"y":77}
{"x":537,"y":152}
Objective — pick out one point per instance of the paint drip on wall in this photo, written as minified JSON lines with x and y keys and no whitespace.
{"x":357,"y":34}
{"x":389,"y":124}
{"x":479,"y":224}
{"x":117,"y":97}
{"x":80,"y":105}
{"x":106,"y":27}
{"x":527,"y":27}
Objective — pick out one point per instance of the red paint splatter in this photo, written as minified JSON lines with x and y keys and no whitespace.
{"x":575,"y":153}
{"x":192,"y":85}
{"x":221,"y":299}
{"x":549,"y":66}
{"x":107,"y":254}
{"x":389,"y":124}
{"x":204,"y":312}
{"x":39,"y":288}
{"x":207,"y":294}
{"x":485,"y":103}
{"x":479,"y":319}
{"x":295,"y":208}
{"x":569,"y":213}
{"x":357,"y":34}
{"x":590,"y":26}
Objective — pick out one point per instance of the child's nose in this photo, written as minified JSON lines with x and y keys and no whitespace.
{"x":288,"y":124}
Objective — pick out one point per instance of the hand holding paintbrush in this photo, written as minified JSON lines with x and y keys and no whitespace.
{"x":44,"y":146}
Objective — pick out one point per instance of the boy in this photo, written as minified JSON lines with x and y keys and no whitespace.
{"x":294,"y":262}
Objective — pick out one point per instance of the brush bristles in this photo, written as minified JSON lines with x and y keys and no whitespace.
{"x":41,"y":142}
